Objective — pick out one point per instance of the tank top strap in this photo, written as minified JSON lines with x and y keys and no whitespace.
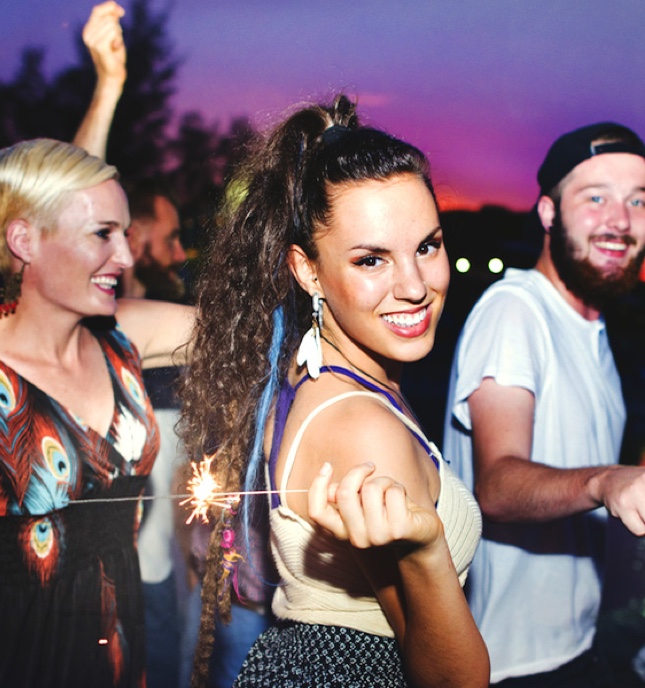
{"x":362,"y":380}
{"x":291,"y":456}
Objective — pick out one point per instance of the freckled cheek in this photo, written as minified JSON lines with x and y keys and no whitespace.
{"x":437,"y":276}
{"x":352,"y":299}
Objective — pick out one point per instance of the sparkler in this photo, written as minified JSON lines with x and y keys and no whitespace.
{"x":204,"y":493}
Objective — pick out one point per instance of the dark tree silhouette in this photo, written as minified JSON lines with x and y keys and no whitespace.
{"x":138,"y":143}
{"x":21,"y":102}
{"x":203,"y":160}
{"x":142,"y":141}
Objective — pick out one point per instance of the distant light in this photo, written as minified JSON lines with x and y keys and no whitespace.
{"x":462,"y":265}
{"x":103,"y":641}
{"x":496,"y":265}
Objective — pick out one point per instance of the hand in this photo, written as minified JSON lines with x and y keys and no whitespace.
{"x":623,"y":493}
{"x":370,"y":512}
{"x":103,"y":37}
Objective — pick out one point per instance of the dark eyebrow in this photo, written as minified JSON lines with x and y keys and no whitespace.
{"x":378,"y":249}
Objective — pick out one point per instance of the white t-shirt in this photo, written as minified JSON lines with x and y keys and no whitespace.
{"x":534,"y":589}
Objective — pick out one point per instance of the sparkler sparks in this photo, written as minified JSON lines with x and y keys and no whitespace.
{"x":204,"y":492}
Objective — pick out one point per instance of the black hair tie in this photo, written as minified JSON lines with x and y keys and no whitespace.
{"x":334,"y":133}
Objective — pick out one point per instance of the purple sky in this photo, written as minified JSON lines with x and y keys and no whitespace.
{"x":482,"y":86}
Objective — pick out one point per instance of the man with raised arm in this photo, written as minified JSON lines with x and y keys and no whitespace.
{"x":535,"y":416}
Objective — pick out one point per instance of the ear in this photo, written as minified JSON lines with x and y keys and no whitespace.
{"x":20,"y":237}
{"x":546,"y":212}
{"x":304,"y":270}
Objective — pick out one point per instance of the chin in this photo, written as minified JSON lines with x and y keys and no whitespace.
{"x":414,"y":351}
{"x":104,"y":311}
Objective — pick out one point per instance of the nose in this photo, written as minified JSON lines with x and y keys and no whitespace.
{"x":122,"y":255}
{"x":618,"y":217}
{"x":409,"y":284}
{"x":178,"y":253}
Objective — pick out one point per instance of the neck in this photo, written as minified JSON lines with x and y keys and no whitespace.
{"x":40,"y":335}
{"x":387,"y":377}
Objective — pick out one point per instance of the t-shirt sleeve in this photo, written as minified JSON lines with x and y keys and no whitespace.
{"x":503,"y":338}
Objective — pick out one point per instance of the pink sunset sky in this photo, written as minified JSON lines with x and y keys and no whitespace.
{"x":482,"y":86}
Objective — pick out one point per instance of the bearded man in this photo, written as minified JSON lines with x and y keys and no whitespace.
{"x":535,"y":417}
{"x":155,"y":242}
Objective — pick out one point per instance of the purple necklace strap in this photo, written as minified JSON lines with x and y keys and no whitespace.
{"x":362,"y":381}
{"x":374,"y":388}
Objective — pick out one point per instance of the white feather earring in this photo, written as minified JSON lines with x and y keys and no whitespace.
{"x":310,"y":350}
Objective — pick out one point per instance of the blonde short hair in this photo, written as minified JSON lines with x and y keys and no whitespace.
{"x":37,"y":176}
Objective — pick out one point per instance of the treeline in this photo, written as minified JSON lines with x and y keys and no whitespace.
{"x":149,"y":135}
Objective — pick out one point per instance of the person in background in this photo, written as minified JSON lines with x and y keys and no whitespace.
{"x":154,"y":231}
{"x":340,"y":221}
{"x":155,"y":242}
{"x":535,"y":416}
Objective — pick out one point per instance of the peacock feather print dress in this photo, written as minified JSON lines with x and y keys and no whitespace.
{"x":71,"y":609}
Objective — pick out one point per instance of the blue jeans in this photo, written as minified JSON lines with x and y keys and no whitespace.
{"x":162,"y":633}
{"x":232,"y":642}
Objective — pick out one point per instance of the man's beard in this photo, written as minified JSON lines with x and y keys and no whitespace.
{"x":591,"y":285}
{"x":161,"y":283}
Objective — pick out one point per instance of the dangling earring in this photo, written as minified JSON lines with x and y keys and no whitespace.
{"x":310,"y":350}
{"x":11,"y":292}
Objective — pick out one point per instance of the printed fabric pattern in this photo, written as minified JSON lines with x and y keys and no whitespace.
{"x":70,"y":596}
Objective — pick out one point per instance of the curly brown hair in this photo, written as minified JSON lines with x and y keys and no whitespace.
{"x":280,"y":196}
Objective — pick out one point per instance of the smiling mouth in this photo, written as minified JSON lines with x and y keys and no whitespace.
{"x":105,"y":281}
{"x":406,"y":319}
{"x":612,"y":243}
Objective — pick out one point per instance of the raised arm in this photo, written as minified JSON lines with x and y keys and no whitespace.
{"x":160,"y":330}
{"x":511,"y":487}
{"x":400,"y":546}
{"x":104,"y":39}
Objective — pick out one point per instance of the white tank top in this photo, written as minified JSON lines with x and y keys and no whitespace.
{"x":321,"y":582}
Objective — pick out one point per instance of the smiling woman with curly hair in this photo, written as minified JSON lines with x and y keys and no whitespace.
{"x":371,"y":533}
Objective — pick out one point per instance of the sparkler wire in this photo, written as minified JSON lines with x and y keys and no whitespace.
{"x":148,"y":498}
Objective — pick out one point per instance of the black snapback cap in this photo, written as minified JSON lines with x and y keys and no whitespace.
{"x":577,"y":146}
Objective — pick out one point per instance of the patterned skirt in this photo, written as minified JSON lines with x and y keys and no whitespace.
{"x":295,"y":655}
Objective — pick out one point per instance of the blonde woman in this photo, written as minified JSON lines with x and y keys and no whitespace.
{"x":77,"y":432}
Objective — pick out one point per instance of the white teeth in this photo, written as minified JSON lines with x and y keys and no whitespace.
{"x":107,"y":281}
{"x":611,"y":245}
{"x":406,"y":319}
